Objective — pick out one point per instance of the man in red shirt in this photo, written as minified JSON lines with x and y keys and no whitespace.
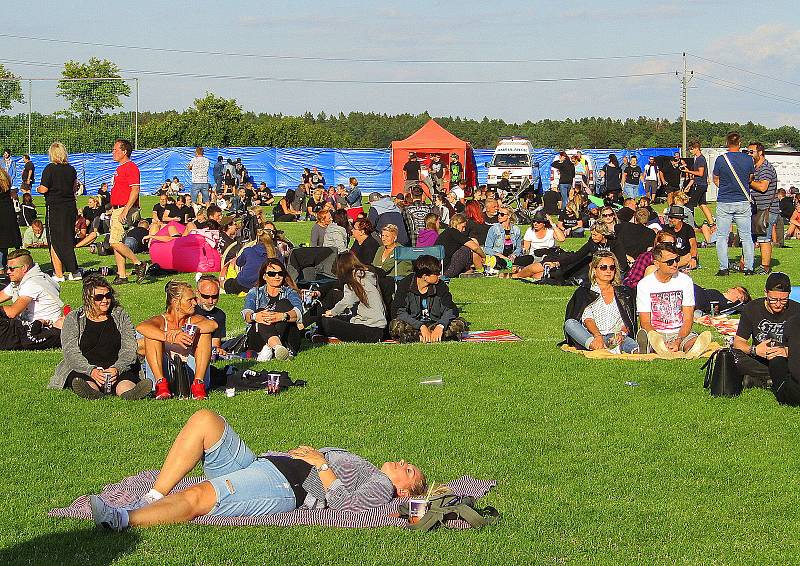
{"x":124,"y":210}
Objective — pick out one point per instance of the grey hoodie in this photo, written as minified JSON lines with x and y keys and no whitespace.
{"x":373,"y":315}
{"x":74,"y":360}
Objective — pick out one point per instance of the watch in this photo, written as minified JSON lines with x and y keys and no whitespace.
{"x":323,"y":468}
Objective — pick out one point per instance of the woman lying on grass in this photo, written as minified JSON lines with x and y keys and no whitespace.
{"x":239,"y":484}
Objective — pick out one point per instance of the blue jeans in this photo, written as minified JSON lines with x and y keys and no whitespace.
{"x":630,"y":190}
{"x":202,"y":188}
{"x":738,"y":213}
{"x":767,"y":238}
{"x":577,"y":331}
{"x":245,"y":486}
{"x":564,"y":190}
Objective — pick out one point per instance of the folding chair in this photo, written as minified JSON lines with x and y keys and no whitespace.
{"x":402,"y":253}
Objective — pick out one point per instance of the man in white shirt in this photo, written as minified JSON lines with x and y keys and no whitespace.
{"x":33,"y":319}
{"x":199,"y":167}
{"x":665,"y":302}
{"x":651,"y":172}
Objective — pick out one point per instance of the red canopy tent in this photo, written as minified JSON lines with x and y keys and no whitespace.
{"x":429,"y":139}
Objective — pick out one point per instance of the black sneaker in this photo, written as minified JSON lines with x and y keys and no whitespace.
{"x":83,"y":389}
{"x":120,"y":280}
{"x":748,"y":272}
{"x":141,"y":271}
{"x":139,"y":391}
{"x":761,"y":270}
{"x":722,"y":273}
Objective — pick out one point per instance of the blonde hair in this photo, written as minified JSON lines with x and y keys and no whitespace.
{"x":57,"y":153}
{"x":680,"y":198}
{"x":596,"y":258}
{"x":174,"y":289}
{"x":265,"y":238}
{"x":458,"y":220}
{"x":5,"y":181}
{"x":390,"y":228}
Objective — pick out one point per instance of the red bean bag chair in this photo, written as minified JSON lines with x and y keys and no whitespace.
{"x":186,"y":254}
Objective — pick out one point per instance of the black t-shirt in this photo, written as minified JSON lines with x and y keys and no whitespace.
{"x":412,"y":168}
{"x":635,"y":238}
{"x":490,"y":219}
{"x":703,"y":298}
{"x":552,"y":202}
{"x":217,"y":315}
{"x":105,"y":198}
{"x":625,"y":214}
{"x":365,"y":252}
{"x":28,"y":172}
{"x":682,"y":237}
{"x":59,"y":178}
{"x":760,"y":324}
{"x":451,"y":239}
{"x":568,"y":219}
{"x":566,"y":171}
{"x":508,"y":243}
{"x":791,"y":337}
{"x":786,"y":205}
{"x":632,"y":174}
{"x":138,"y":233}
{"x":100,"y":342}
{"x":672,"y":174}
{"x":477,"y":230}
{"x":185,"y":214}
{"x":158,"y":211}
{"x":612,"y":177}
{"x":90,"y":213}
{"x":436,"y":169}
{"x":700,"y":182}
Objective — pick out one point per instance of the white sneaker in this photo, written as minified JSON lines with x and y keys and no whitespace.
{"x":282,"y":352}
{"x":265,"y":354}
{"x":58,"y":279}
{"x":700,"y":345}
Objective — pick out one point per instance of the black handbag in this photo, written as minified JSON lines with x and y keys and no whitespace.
{"x":722,"y":377}
{"x":178,"y":378}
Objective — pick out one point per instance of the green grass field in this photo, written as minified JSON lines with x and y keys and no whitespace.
{"x":588,"y":469}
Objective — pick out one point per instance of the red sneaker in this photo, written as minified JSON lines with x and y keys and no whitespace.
{"x":162,"y":390}
{"x":199,"y":390}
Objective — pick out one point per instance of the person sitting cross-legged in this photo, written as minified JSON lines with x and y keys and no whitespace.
{"x":167,"y":342}
{"x":665,"y":302}
{"x":602,"y":316}
{"x":239,"y":484}
{"x":99,"y":344}
{"x":423,"y":309}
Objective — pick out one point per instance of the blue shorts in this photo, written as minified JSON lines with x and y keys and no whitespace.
{"x":244,"y":485}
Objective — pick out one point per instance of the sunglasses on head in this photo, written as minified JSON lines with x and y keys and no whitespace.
{"x":215,"y":296}
{"x":100,"y":296}
{"x":274,"y":273}
{"x":607,"y":267}
{"x":672,"y":261}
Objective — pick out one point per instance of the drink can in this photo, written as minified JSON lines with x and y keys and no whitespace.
{"x":190,"y":329}
{"x":714,"y":308}
{"x":273,"y":383}
{"x":104,"y":271}
{"x":546,"y":273}
{"x":107,"y":385}
{"x":417,"y":507}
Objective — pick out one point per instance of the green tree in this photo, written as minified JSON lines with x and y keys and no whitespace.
{"x":90,"y":99}
{"x":10,"y":89}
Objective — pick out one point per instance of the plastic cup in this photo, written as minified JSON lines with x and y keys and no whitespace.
{"x":714,"y":308}
{"x":417,"y":507}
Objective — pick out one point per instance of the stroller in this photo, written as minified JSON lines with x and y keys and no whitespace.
{"x":524,"y":201}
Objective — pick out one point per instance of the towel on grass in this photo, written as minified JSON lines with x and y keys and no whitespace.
{"x":607,"y":355}
{"x":723,"y":324}
{"x":132,"y":488}
{"x":480,"y":336}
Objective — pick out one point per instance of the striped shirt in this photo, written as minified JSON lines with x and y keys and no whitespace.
{"x":358,"y":486}
{"x":766,"y":172}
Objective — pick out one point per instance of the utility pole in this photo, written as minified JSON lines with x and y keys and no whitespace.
{"x":687,"y":76}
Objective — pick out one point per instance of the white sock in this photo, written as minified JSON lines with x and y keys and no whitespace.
{"x":152,"y":496}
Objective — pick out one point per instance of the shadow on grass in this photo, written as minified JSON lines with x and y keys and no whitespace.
{"x":87,"y":546}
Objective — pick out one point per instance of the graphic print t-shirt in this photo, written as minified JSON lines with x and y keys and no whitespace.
{"x":665,"y":301}
{"x":760,"y":324}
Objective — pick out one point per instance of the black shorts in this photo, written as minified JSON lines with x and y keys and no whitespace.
{"x":697,"y":197}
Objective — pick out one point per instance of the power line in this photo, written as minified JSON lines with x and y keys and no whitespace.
{"x":742,"y":88}
{"x":179,"y":74}
{"x":332,"y":59}
{"x":742,"y":69}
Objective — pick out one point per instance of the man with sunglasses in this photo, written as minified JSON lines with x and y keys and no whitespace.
{"x":207,"y":299}
{"x":764,"y":321}
{"x":665,"y":302}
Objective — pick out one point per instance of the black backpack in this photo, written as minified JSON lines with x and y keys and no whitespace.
{"x":722,"y":377}
{"x":446,"y":507}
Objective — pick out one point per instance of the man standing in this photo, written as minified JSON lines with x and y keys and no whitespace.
{"x":733,"y":172}
{"x":27,"y":174}
{"x":699,"y":174}
{"x":199,"y":168}
{"x":436,"y":176}
{"x":665,"y":301}
{"x":763,"y":320}
{"x":566,"y":175}
{"x":651,"y":176}
{"x":456,"y":171}
{"x":218,"y":168}
{"x":208,"y":297}
{"x":631,"y":175}
{"x":765,"y":196}
{"x":124,"y":210}
{"x":670,"y":176}
{"x":411,"y":171}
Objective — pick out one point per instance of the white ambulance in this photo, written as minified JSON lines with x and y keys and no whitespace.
{"x":514,"y":155}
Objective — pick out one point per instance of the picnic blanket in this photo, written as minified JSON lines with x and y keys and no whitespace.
{"x":132,"y":488}
{"x":607,"y":355}
{"x":480,"y":336}
{"x":723,"y":324}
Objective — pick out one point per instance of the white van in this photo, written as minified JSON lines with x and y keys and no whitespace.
{"x":515,"y":155}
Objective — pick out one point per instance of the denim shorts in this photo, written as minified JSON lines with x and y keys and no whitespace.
{"x":767,"y":238}
{"x":244,"y":485}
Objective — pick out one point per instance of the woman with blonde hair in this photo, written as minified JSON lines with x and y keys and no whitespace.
{"x":9,"y":231}
{"x":59,"y":185}
{"x":602,"y":315}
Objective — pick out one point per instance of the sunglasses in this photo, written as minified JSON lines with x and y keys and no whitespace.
{"x":216,"y":296}
{"x":607,"y":267}
{"x":607,"y":215}
{"x":100,"y":296}
{"x":672,"y":261}
{"x":13,"y":267}
{"x":274,"y":273}
{"x":502,"y":214}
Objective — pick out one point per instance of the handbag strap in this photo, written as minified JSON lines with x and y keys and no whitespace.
{"x":738,"y":180}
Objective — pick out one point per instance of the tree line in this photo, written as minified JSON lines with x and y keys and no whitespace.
{"x":89,"y":124}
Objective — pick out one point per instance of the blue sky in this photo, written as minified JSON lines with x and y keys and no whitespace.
{"x":763,"y":39}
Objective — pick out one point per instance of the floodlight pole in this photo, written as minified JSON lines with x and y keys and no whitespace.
{"x":136,"y":119}
{"x":687,"y":76}
{"x":29,"y":116}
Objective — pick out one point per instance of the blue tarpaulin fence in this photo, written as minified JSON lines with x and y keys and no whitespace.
{"x":281,"y":168}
